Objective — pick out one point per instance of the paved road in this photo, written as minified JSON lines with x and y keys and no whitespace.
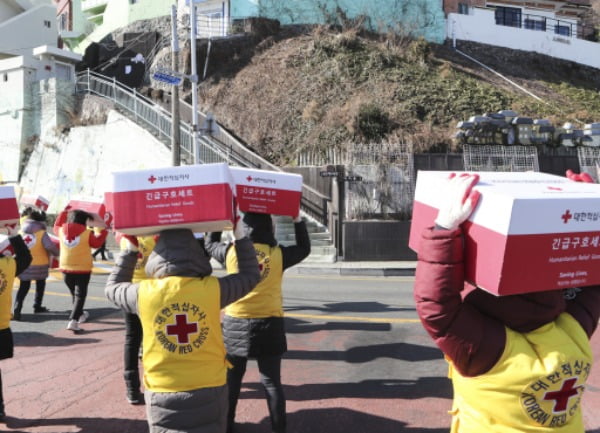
{"x":358,"y":361}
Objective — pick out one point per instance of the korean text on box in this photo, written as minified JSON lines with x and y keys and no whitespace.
{"x":197,"y":197}
{"x":530,"y":231}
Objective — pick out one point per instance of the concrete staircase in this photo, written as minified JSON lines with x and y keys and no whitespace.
{"x":322,"y":249}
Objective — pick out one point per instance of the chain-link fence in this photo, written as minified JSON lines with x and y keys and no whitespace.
{"x":379,"y":181}
{"x":488,"y":157}
{"x":589,"y":160}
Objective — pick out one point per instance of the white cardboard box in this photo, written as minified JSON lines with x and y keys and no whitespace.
{"x":530,"y":231}
{"x":95,"y":208}
{"x":36,"y":201}
{"x":197,"y":197}
{"x":9,"y":208}
{"x":270,"y":192}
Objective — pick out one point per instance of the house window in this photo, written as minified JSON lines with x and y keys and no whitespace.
{"x":63,"y":22}
{"x":535,"y":24}
{"x":463,"y":8}
{"x":562,"y":30}
{"x":506,"y":16}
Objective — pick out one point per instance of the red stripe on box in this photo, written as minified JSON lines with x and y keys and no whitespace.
{"x":158,"y":207}
{"x":9,"y":210}
{"x":268,"y":200}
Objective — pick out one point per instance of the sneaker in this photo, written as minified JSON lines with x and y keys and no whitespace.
{"x":40,"y":309}
{"x":84,"y":316}
{"x":73,"y":325}
{"x":134,"y":396}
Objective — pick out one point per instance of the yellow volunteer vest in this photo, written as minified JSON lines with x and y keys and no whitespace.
{"x":36,"y":247}
{"x":75,"y":255}
{"x":145,"y":246}
{"x":183,"y":344}
{"x":536,"y":386}
{"x":8,"y":268}
{"x":265,"y":299}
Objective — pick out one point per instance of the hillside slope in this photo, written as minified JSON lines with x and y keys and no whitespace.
{"x":310,"y":90}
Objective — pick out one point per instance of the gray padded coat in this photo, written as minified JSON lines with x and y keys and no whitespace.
{"x":178,"y":253}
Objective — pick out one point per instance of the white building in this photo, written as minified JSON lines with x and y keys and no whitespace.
{"x":36,"y":80}
{"x":548,"y":27}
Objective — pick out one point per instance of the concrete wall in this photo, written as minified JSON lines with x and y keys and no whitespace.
{"x":32,"y":28}
{"x":80,"y":164}
{"x":480,"y":26}
{"x":416,"y":17}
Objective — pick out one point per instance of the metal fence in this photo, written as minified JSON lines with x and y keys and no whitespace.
{"x":478,"y":157}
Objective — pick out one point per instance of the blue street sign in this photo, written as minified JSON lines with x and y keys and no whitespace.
{"x":166,"y":78}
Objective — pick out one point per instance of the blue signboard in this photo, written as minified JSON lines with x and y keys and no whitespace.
{"x":166,"y":78}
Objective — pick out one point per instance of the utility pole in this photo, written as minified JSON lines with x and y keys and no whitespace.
{"x":175,"y":117}
{"x":194,"y":79}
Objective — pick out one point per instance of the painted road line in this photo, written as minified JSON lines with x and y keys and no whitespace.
{"x":351,"y":318}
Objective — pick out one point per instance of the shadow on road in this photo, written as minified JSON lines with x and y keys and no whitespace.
{"x":297,"y":326}
{"x":360,"y":354}
{"x":422,"y":387}
{"x":349,"y":307}
{"x":85,"y":425}
{"x":337,"y":420}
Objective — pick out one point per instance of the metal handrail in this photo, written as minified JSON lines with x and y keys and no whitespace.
{"x":216,"y":145}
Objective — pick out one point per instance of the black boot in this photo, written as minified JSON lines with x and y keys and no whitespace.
{"x":132,"y":382}
{"x":17,"y":310}
{"x":2,"y":414}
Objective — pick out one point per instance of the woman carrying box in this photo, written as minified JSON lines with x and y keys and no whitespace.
{"x":517,"y":362}
{"x":41,"y":246}
{"x":179,"y":307}
{"x":76,"y":242}
{"x":253,"y":327}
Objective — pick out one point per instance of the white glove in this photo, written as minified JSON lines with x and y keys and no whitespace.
{"x":12,"y":229}
{"x":459,"y":201}
{"x":239,"y":230}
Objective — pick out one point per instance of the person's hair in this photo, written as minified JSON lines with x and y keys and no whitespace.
{"x":27,"y":211}
{"x":38,"y":215}
{"x":78,"y":216}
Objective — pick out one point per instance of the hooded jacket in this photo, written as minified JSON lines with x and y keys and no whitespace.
{"x":477,"y":330}
{"x":178,"y":253}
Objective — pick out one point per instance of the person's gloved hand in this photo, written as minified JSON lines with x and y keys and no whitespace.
{"x":128,"y":242}
{"x":239,"y":230}
{"x":12,"y":229}
{"x":108,"y":219}
{"x":459,"y":202}
{"x":582,"y":177}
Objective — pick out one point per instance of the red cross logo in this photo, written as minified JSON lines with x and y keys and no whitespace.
{"x":182,"y":329}
{"x":152,"y":179}
{"x":249,"y":178}
{"x":566,"y":216}
{"x":563,"y":395}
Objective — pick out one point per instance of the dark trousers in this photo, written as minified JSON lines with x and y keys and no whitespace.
{"x":270,"y":377}
{"x":24,"y":286}
{"x":78,"y":286}
{"x":133,"y":341}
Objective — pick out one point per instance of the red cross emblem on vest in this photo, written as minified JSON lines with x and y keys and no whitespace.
{"x":562,"y":396}
{"x":182,"y":329}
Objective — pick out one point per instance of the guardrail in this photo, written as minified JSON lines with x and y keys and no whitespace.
{"x":216,"y":144}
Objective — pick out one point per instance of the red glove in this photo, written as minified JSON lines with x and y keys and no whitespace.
{"x":582,"y":177}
